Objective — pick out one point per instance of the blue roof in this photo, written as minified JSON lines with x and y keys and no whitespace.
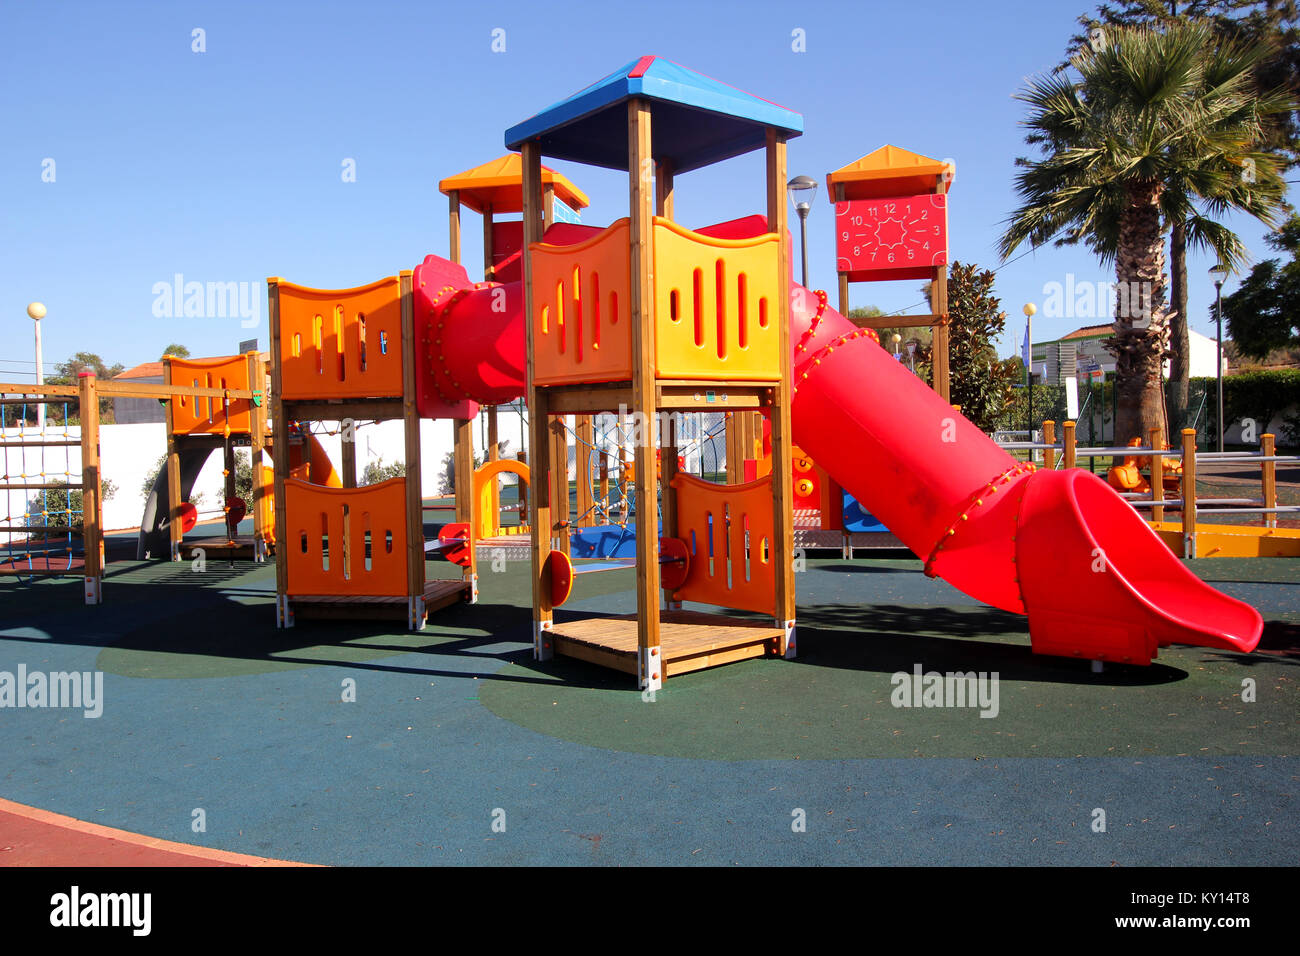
{"x":695,"y":120}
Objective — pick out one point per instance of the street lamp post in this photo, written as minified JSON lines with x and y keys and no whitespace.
{"x":36,"y":311}
{"x":1029,"y":311}
{"x":1220,"y":273}
{"x":802,"y":190}
{"x":896,"y":338}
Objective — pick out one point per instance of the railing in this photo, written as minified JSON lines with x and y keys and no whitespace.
{"x":1193,"y":462}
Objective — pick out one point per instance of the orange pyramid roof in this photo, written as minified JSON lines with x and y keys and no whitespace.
{"x":889,"y":171}
{"x":499,"y":184}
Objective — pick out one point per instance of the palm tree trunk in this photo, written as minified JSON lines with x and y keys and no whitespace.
{"x":1179,"y":344}
{"x":1141,"y":318}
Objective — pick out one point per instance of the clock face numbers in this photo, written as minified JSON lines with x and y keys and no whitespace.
{"x":884,"y":235}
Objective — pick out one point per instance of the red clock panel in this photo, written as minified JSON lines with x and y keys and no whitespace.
{"x":901,"y":237}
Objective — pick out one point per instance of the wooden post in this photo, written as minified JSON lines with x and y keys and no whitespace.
{"x":1156,"y":438}
{"x":349,"y":463}
{"x":604,"y":484}
{"x":539,"y":440}
{"x":641,"y":312}
{"x":1268,"y":469}
{"x":548,"y":207}
{"x":664,"y":189}
{"x":174,"y":533}
{"x":489,"y":270}
{"x":1049,"y":438}
{"x":667,"y":471}
{"x":279,"y":461}
{"x":257,"y":443}
{"x":453,"y":223}
{"x":414,"y":499}
{"x":92,"y":502}
{"x":584,"y":439}
{"x":462,"y":458}
{"x":939,"y":306}
{"x":844,"y":279}
{"x":782,"y":479}
{"x":1189,"y":492}
{"x":1068,"y":443}
{"x":559,"y":478}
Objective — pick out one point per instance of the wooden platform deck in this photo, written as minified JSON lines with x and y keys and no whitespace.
{"x":689,"y":640}
{"x":437,"y":595}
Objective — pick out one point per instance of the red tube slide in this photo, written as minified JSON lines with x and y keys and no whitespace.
{"x":1059,"y":546}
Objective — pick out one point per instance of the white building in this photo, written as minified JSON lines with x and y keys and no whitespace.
{"x":1082,"y":351}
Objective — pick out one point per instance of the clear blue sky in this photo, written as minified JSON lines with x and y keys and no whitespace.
{"x":225,"y":166}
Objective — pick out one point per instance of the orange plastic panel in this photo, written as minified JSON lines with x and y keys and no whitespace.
{"x":717,"y":305}
{"x":728,"y":530}
{"x":208,"y":415}
{"x":581,"y":331}
{"x":341,"y":343}
{"x":267,"y":505}
{"x":346,"y":540}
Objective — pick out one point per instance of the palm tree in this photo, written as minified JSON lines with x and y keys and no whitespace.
{"x":1154,"y":119}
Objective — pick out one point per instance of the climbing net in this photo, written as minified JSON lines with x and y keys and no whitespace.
{"x":43,"y":517}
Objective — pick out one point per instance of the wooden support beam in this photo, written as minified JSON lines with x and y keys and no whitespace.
{"x":257,"y":443}
{"x":1189,"y":492}
{"x":668,"y":470}
{"x":462,"y":456}
{"x":664,"y":189}
{"x":559,"y":480}
{"x":1268,"y":476}
{"x":585,"y":437}
{"x":174,"y":534}
{"x":348,"y":465}
{"x":642,"y":314}
{"x":416,"y":610}
{"x":453,"y":224}
{"x":1049,"y":438}
{"x":1157,"y":438}
{"x":538,"y":440}
{"x":489,"y":270}
{"x":92,"y":498}
{"x":548,"y":206}
{"x":279,"y":460}
{"x":939,"y":306}
{"x":844,"y":279}
{"x":1069,"y":445}
{"x":782,"y":478}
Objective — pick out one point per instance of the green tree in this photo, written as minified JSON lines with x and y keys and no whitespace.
{"x":66,"y":373}
{"x":1271,"y":24}
{"x":1263,"y":314}
{"x":1145,"y":109}
{"x":980,"y":384}
{"x":179,"y":351}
